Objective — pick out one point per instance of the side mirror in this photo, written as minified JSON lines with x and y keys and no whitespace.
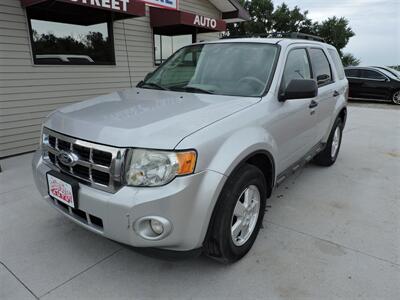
{"x":299,"y":89}
{"x":321,"y":79}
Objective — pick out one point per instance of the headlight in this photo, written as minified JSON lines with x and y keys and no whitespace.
{"x":44,"y":138}
{"x":155,"y":168}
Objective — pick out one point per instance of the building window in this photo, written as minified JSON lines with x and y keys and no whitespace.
{"x":165,"y":46}
{"x":55,"y":43}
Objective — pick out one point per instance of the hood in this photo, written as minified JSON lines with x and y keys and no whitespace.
{"x":144,"y":118}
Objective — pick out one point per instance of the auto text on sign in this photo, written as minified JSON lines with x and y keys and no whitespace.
{"x":205,"y":22}
{"x":121,"y":5}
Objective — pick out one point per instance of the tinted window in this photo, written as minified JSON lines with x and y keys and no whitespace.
{"x":297,"y":67}
{"x":164,"y":46}
{"x":54,"y":42}
{"x":372,"y":75}
{"x":320,"y":65}
{"x":338,"y":63}
{"x":352,"y":72}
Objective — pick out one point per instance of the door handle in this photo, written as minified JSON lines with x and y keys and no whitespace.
{"x":313,"y":104}
{"x":336,"y":93}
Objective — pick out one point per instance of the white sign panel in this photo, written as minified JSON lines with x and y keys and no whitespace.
{"x":171,"y":4}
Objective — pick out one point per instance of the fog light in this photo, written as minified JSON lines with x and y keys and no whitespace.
{"x":153,"y":228}
{"x":156,"y":226}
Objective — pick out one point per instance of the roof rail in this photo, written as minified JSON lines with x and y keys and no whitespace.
{"x":283,"y":35}
{"x":238,"y":36}
{"x":297,"y":35}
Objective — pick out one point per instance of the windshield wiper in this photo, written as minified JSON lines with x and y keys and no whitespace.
{"x":193,"y":89}
{"x":152,"y":85}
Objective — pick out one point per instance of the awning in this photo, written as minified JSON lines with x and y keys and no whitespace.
{"x":84,"y":12}
{"x":232,"y":10}
{"x":174,"y":22}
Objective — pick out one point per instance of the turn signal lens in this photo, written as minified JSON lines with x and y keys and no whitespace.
{"x":186,"y":162}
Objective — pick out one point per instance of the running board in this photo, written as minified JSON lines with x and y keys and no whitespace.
{"x":300,"y":163}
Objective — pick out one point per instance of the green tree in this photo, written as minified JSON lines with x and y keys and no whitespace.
{"x":265,"y":18}
{"x":335,"y":31}
{"x":286,"y":20}
{"x":348,"y":60}
{"x":261,"y":18}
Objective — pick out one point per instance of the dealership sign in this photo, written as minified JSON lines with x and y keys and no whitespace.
{"x":117,"y":5}
{"x":128,"y":7}
{"x":172,"y":22}
{"x":202,"y":21}
{"x":171,"y":4}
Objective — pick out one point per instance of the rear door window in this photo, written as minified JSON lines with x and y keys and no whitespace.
{"x":320,"y":66}
{"x":338,"y":63}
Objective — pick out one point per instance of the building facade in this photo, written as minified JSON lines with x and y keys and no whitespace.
{"x":56,"y":52}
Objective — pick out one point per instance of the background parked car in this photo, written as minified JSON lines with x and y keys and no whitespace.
{"x":49,"y":59}
{"x":373,"y":83}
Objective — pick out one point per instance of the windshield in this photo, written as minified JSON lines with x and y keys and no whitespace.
{"x":238,"y":69}
{"x":390,"y":72}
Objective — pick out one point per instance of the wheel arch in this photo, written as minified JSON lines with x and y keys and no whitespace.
{"x":261,"y":159}
{"x":343,"y":115}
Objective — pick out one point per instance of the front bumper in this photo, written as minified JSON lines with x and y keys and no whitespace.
{"x":187,"y":202}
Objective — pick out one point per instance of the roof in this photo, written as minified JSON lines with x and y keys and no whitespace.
{"x":360,"y":67}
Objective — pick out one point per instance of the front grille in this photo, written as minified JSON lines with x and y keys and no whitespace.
{"x":97,"y":165}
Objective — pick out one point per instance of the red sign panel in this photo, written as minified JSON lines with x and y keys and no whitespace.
{"x":163,"y":18}
{"x":131,"y":7}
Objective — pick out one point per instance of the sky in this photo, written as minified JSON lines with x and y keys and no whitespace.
{"x":376,"y":24}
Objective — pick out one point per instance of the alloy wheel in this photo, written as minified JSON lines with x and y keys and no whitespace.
{"x":396,"y":98}
{"x":245,"y":215}
{"x":336,"y":142}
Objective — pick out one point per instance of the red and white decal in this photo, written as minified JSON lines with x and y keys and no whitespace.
{"x":61,"y":191}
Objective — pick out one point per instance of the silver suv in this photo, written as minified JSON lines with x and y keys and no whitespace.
{"x":187,"y":159}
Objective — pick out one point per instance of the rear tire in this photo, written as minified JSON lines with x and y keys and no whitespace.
{"x":396,"y":97}
{"x":236,"y":221}
{"x":329,"y":155}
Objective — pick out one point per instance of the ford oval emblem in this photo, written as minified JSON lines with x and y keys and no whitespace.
{"x":67,"y":158}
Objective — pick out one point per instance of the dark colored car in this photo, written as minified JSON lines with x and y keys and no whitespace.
{"x":372,"y":83}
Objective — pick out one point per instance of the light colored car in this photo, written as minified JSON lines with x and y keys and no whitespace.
{"x":63,"y":58}
{"x":187,"y":160}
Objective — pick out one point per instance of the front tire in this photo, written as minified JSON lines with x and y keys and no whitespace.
{"x":238,"y":215}
{"x":396,"y":97}
{"x":329,"y":155}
